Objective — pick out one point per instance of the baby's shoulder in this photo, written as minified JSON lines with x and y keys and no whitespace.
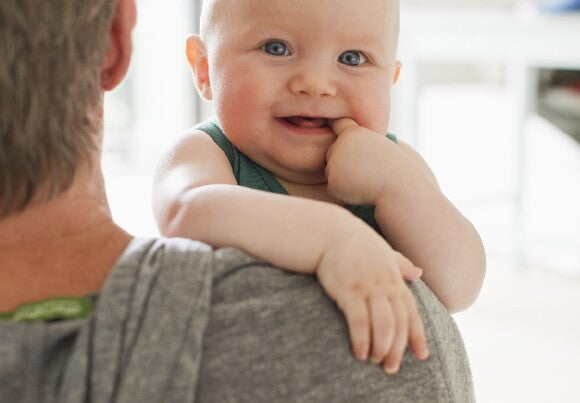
{"x":193,"y":142}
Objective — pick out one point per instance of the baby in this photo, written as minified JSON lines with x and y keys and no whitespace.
{"x":298,"y":169}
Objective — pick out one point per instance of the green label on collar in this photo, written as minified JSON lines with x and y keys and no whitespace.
{"x":51,"y":309}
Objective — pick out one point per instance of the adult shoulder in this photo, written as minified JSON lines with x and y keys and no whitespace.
{"x":275,"y":336}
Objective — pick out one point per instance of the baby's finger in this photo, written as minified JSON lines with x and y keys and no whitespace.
{"x":408,"y":270}
{"x":383,"y":327}
{"x":417,"y":339}
{"x":357,"y":317}
{"x":328,"y":157}
{"x":341,"y":125}
{"x":393,"y":362}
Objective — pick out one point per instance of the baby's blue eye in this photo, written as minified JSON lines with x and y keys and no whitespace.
{"x":275,"y":48}
{"x":352,"y":58}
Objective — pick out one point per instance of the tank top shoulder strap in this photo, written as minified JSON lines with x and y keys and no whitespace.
{"x":246,"y":171}
{"x":212,"y":128}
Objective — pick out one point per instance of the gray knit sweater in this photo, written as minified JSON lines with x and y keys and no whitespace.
{"x":179,"y":322}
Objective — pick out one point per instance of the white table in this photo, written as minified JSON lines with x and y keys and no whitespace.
{"x":523,"y":43}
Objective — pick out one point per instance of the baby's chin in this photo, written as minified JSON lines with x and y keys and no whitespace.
{"x":309,"y":171}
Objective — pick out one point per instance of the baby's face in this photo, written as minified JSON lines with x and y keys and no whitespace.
{"x":279,"y":70}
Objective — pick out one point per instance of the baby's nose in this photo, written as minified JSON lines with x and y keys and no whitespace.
{"x":313,"y":81}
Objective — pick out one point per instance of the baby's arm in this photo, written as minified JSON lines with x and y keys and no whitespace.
{"x":412,"y":212}
{"x":196,"y":196}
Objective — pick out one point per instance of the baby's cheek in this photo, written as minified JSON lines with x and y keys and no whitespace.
{"x":377,"y":122}
{"x":372,"y":109}
{"x":234,"y":102}
{"x":244,"y":95}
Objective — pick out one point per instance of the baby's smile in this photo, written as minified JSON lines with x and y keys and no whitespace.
{"x":306,"y":122}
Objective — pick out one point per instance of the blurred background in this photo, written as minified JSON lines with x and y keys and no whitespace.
{"x":490,"y":95}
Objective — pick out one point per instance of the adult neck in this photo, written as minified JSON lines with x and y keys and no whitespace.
{"x":64,"y":247}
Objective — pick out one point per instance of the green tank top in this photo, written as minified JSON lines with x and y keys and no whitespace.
{"x":252,"y":175}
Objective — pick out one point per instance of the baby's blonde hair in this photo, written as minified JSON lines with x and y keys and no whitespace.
{"x":51,"y":52}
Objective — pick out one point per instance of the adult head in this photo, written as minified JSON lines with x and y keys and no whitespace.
{"x":57,"y":59}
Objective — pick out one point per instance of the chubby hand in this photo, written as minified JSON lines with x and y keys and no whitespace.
{"x":365,"y":277}
{"x":357,"y":164}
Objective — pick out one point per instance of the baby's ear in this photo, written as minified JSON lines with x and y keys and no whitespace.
{"x":396,"y":71}
{"x":197,"y":57}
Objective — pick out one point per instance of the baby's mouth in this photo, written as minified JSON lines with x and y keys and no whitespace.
{"x":306,"y":122}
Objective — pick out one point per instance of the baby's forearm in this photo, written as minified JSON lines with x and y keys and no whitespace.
{"x":289,"y":232}
{"x":420,"y":222}
{"x":355,"y":265}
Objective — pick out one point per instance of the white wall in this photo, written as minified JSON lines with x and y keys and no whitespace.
{"x":153,"y":107}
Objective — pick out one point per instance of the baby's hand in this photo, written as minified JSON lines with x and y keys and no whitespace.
{"x":357,"y":168}
{"x":407,"y":269}
{"x":363,"y":274}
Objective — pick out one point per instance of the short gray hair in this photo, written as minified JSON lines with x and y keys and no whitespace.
{"x":50,"y":57}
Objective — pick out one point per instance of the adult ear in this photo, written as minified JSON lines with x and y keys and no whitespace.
{"x":116,"y":61}
{"x":396,"y":71}
{"x":197,"y":58}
